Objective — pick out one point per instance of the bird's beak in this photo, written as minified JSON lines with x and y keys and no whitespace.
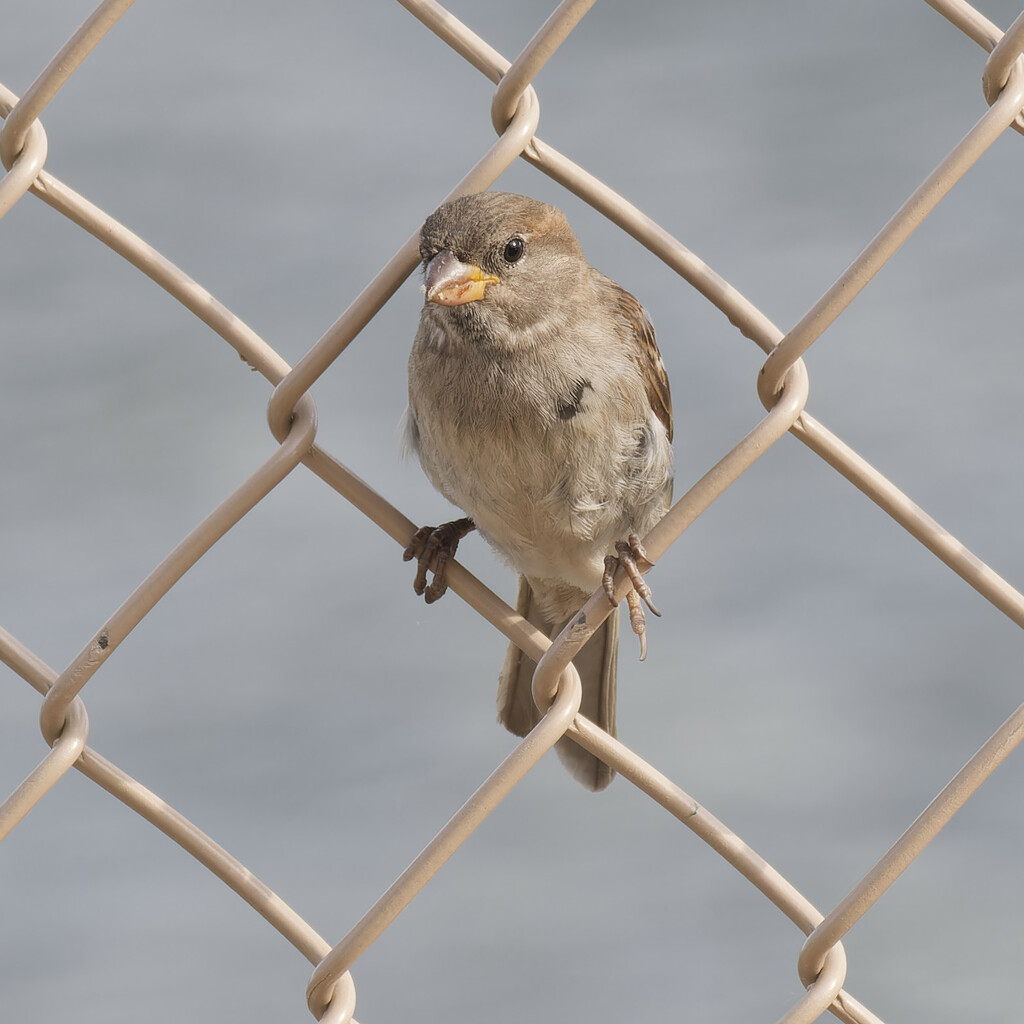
{"x":451,"y":283}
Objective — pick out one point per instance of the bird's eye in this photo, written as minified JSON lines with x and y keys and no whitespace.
{"x":514,"y":249}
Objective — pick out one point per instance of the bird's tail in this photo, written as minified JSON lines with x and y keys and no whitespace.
{"x":596,"y":664}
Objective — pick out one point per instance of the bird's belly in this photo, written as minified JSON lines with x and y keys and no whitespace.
{"x":532,"y":510}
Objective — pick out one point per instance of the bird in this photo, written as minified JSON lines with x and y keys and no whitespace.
{"x":539,"y":405}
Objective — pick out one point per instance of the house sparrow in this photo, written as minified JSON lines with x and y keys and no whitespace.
{"x":538,"y":404}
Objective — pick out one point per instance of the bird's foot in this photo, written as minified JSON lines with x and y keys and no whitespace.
{"x":433,"y":547}
{"x":632,"y":557}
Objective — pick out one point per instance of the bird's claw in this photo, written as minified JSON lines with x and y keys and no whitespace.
{"x":433,"y":548}
{"x":632,"y":557}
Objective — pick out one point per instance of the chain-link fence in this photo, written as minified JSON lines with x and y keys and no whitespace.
{"x":782,"y":387}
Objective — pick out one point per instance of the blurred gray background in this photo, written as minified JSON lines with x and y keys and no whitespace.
{"x":816,"y":678}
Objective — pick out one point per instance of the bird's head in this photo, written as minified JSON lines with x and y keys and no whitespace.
{"x":496,"y":260}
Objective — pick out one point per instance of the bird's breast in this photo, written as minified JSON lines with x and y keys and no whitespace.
{"x":537,"y":451}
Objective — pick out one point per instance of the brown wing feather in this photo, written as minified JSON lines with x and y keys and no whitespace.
{"x":655,"y":377}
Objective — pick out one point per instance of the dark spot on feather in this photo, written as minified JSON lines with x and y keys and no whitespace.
{"x":569,"y":405}
{"x":638,"y":461}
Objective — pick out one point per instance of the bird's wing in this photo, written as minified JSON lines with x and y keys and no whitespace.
{"x":647,"y":355}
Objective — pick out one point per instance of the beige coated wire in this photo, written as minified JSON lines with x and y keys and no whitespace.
{"x":782,"y":387}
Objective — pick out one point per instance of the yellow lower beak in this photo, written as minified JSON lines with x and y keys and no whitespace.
{"x":451,"y":283}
